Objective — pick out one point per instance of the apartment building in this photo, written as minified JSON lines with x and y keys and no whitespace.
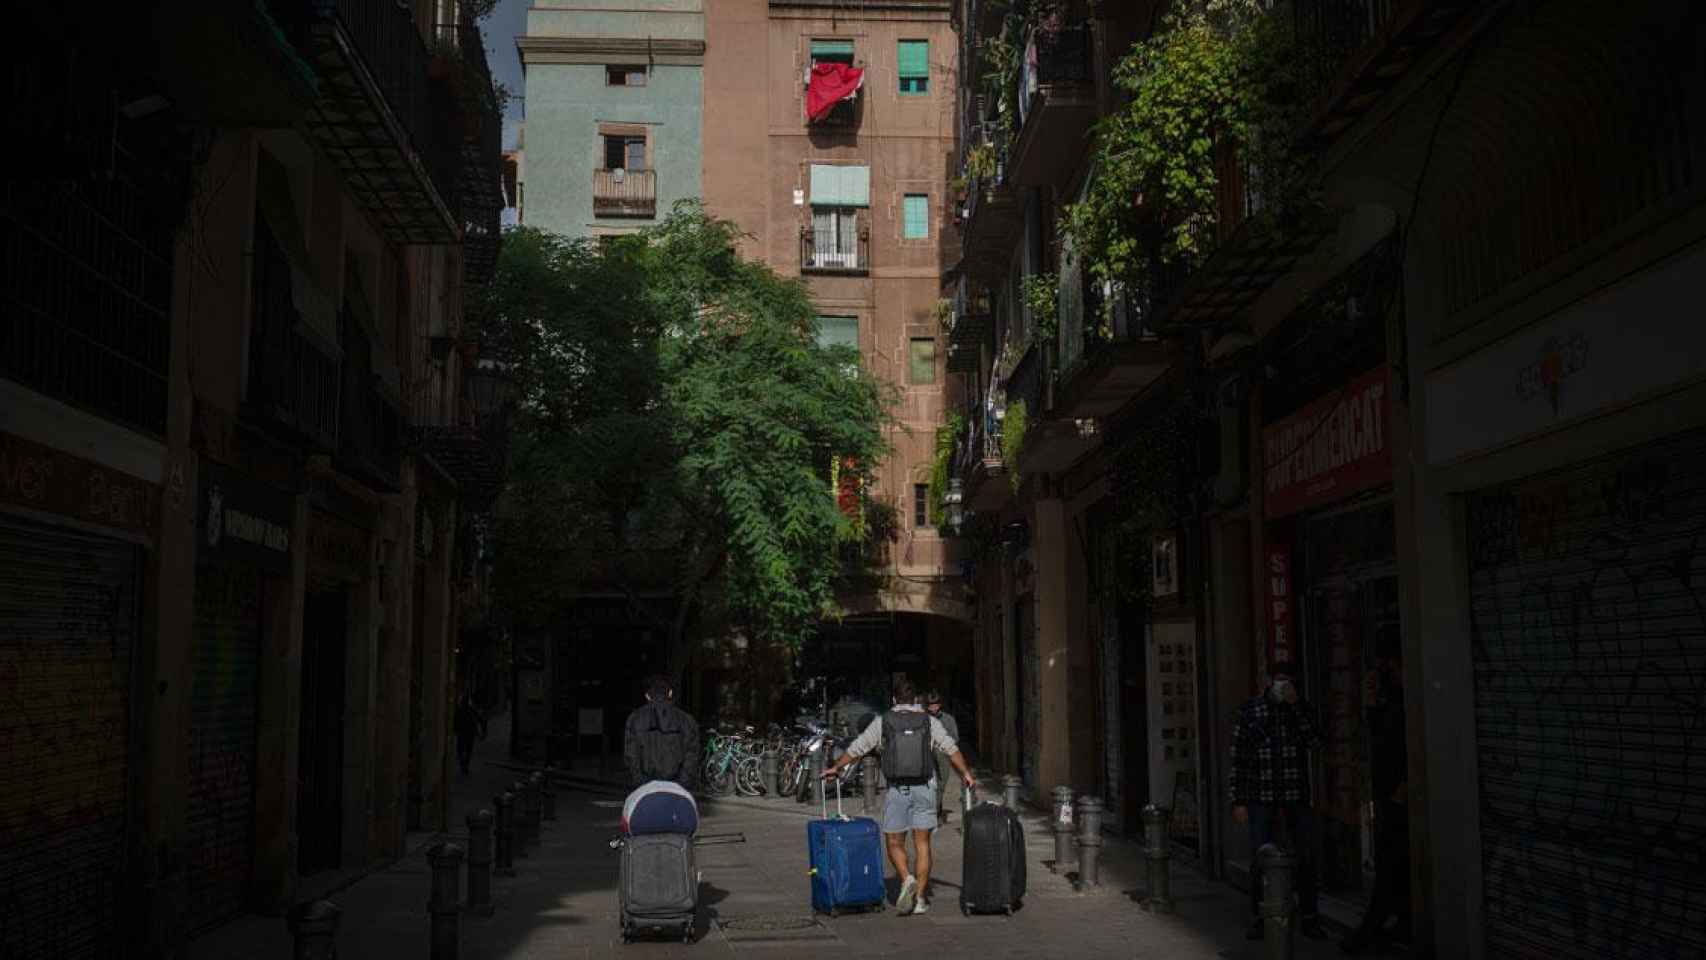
{"x":232,"y":298}
{"x":613,"y":134}
{"x":829,"y":130}
{"x":1371,"y":432}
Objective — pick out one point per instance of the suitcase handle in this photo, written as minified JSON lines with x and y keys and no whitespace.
{"x":823,"y":797}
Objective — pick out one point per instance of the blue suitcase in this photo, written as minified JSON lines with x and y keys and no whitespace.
{"x":846,"y":861}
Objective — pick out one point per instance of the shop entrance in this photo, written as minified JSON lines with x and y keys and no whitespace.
{"x":1352,"y":598}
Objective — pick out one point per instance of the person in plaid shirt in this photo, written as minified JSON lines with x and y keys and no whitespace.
{"x":1271,"y":739}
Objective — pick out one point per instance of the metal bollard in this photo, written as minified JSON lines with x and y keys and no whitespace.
{"x":769,"y":767}
{"x":518,"y":821}
{"x":549,"y":790}
{"x":1279,"y":870}
{"x":1060,"y":817}
{"x":1158,"y":854}
{"x":1011,"y":784}
{"x":870,"y":782}
{"x":314,"y":928}
{"x":1089,"y":841}
{"x":446,"y":860}
{"x":505,"y":803}
{"x":480,"y":863}
{"x":535,"y":805}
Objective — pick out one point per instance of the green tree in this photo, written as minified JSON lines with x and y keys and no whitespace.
{"x":678,"y":425}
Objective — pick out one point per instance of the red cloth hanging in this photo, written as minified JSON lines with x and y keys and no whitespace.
{"x":831,"y":83}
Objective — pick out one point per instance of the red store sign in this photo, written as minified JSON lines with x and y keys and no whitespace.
{"x":1336,"y":446}
{"x":1280,"y":637}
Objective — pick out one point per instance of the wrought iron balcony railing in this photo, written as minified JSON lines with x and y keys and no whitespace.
{"x":480,"y":199}
{"x":1060,"y":55}
{"x":378,"y":115}
{"x":824,"y":250}
{"x":625,"y":193}
{"x":1330,"y":31}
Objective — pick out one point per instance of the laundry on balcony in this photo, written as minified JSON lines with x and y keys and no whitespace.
{"x":830,"y":84}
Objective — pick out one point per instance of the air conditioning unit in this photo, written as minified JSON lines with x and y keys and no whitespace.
{"x":618,"y":175}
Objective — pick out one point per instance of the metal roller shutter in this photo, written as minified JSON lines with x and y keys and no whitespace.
{"x":222,"y":742}
{"x":68,"y":608}
{"x":1588,"y":591}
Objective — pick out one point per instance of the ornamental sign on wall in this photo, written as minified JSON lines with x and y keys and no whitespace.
{"x":1335,"y":446}
{"x":243,"y":521}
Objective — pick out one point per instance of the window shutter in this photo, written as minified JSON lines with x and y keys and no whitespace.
{"x":914,"y":58}
{"x":915,"y":216}
{"x":831,"y":48}
{"x":833,"y":185}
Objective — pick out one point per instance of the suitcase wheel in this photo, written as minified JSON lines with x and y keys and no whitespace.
{"x":1008,"y":909}
{"x":834,"y":912}
{"x":965,"y":910}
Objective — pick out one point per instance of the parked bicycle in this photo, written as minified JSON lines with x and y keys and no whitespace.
{"x":732,"y":764}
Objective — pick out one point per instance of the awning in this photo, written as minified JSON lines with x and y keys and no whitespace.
{"x":830,"y":84}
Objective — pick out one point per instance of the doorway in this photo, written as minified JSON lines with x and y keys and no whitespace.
{"x":319,"y":796}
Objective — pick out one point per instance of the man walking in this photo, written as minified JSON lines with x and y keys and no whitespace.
{"x":1271,"y":737}
{"x":660,"y":741}
{"x":907,"y":735}
{"x":949,"y":788}
{"x":470,"y":728}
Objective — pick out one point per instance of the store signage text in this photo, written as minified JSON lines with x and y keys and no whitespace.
{"x":243,"y":520}
{"x":1332,"y":448}
{"x":52,"y":481}
{"x":1280,"y":639}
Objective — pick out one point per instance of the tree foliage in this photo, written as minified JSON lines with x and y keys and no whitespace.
{"x":1217,"y":71}
{"x":678,"y":424}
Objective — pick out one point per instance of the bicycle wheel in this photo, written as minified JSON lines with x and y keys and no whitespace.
{"x":720,"y":779}
{"x":748,"y":780}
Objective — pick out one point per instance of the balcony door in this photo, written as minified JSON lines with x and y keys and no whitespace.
{"x":835,"y":238}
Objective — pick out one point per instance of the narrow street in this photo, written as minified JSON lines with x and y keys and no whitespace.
{"x":562,"y":901}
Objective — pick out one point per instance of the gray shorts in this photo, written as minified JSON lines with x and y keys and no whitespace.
{"x":910,"y":808}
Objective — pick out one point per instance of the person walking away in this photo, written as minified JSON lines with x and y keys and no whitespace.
{"x":1269,"y":783}
{"x":949,"y":788}
{"x":470,"y":728}
{"x":907,"y":735}
{"x":1383,"y":697}
{"x":660,"y":741}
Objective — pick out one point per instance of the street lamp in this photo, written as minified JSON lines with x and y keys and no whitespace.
{"x":491,"y":391}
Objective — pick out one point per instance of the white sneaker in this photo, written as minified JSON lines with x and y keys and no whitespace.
{"x":922,"y":908}
{"x":908,"y":898}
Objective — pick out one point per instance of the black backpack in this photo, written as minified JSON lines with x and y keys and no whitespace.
{"x":662,"y":753}
{"x":906,"y":747}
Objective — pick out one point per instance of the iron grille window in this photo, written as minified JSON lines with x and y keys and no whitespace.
{"x":921,"y":505}
{"x":835,"y":238}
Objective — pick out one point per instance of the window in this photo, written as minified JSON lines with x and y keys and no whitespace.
{"x":921,"y":505}
{"x":914,"y":60}
{"x":921,"y":360}
{"x":830,"y":51}
{"x":837,"y":194}
{"x":838,"y":332}
{"x":625,"y":75}
{"x":915,"y":217}
{"x":624,"y":152}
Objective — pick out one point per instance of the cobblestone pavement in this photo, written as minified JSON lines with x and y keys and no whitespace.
{"x":562,"y":901}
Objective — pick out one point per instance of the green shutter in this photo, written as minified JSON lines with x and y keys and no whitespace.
{"x":838,"y":332}
{"x":914,"y":58}
{"x":831,"y":48}
{"x":839,"y":185}
{"x":915,"y":217}
{"x":922,"y":360}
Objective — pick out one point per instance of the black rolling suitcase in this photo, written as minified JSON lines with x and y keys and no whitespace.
{"x":993,"y":874}
{"x":659,"y":887}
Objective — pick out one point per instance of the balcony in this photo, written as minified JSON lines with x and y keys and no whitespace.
{"x":473,"y":457}
{"x":978,"y":464}
{"x":625,"y":193}
{"x":1107,"y":353}
{"x":1057,"y":104}
{"x":991,"y":217}
{"x":480,"y":199}
{"x":828,"y":251}
{"x":377,"y":116}
{"x":968,"y":325}
{"x":370,"y":434}
{"x":1355,"y":51}
{"x":295,"y":372}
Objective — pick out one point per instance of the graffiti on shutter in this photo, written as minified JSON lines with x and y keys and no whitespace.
{"x":67,"y":628}
{"x":1588,"y":633}
{"x":222,"y":742}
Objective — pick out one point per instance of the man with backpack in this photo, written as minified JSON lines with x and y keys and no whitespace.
{"x":907,"y":737}
{"x":660,"y":741}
